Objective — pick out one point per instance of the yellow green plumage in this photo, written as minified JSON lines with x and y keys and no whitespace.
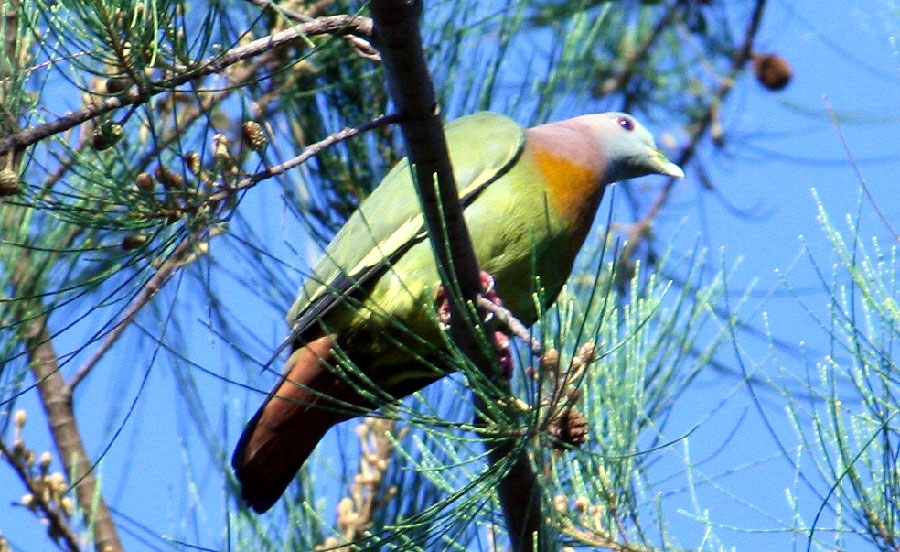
{"x":529,"y":197}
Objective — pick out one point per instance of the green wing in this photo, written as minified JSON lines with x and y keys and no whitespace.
{"x":482,"y":148}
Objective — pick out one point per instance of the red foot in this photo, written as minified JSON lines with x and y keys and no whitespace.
{"x":504,"y":358}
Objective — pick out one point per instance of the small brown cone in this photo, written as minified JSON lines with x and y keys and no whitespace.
{"x":133,"y":241}
{"x":570,"y":429}
{"x":145,"y":182}
{"x":9,"y":183}
{"x":254,"y":135}
{"x":772,"y":71}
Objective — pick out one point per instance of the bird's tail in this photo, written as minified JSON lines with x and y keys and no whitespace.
{"x":286,"y":428}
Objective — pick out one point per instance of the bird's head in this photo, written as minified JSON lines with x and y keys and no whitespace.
{"x":629,"y":148}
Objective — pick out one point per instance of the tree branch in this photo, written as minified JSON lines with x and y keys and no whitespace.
{"x":56,"y":397}
{"x":629,"y":68}
{"x":398,"y":38}
{"x":739,"y":60}
{"x":361,"y":45}
{"x":57,"y":524}
{"x":740,"y":57}
{"x":179,"y":257}
{"x":513,"y":324}
{"x":308,"y":152}
{"x":337,"y":25}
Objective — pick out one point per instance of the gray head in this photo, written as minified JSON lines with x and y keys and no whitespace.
{"x":629,"y":147}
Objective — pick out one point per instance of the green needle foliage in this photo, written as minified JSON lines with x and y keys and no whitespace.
{"x":622,"y":363}
{"x":848,"y":423}
{"x":155,"y":232}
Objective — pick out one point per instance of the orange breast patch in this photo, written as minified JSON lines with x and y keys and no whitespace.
{"x":572,"y":187}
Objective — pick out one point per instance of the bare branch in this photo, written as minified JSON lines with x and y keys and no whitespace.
{"x":56,"y":397}
{"x":618,"y":81}
{"x":362,"y":46}
{"x":859,"y":176}
{"x":182,"y":255}
{"x":337,"y":25}
{"x":58,"y":524}
{"x":308,"y":152}
{"x":508,"y":319}
{"x":738,"y":61}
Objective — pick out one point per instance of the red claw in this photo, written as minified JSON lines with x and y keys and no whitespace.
{"x":504,"y":358}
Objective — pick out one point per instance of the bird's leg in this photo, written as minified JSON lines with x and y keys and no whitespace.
{"x":504,"y":358}
{"x":488,"y":291}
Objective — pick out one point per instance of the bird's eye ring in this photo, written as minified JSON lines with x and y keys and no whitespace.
{"x":626,"y":123}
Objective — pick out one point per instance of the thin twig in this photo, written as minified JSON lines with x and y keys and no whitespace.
{"x":362,"y":46}
{"x":508,"y":319}
{"x":631,"y":64}
{"x":58,"y":525}
{"x":859,"y":176}
{"x":308,"y":152}
{"x":179,"y":258}
{"x":337,"y":25}
{"x":183,"y":251}
{"x":738,"y":61}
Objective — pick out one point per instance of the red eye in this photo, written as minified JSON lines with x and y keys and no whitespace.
{"x":626,"y":123}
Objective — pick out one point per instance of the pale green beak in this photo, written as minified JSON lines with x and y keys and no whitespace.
{"x":662,"y":165}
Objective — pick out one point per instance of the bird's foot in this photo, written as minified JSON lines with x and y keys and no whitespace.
{"x":489,"y":292}
{"x":504,"y":357}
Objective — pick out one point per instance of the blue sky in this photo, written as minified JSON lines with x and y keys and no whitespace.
{"x":778,"y":147}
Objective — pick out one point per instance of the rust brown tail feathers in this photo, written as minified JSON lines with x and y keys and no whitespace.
{"x":287,"y":427}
